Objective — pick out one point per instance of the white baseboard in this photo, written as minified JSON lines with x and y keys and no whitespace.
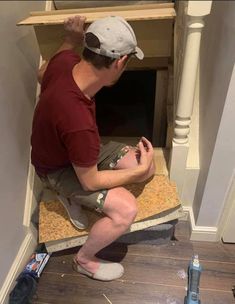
{"x":27,"y":247}
{"x":201,"y":233}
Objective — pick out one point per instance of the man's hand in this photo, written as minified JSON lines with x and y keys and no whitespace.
{"x":74,"y":27}
{"x":146,"y":154}
{"x":92,"y":179}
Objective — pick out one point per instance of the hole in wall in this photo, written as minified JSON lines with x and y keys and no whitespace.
{"x":127,"y":108}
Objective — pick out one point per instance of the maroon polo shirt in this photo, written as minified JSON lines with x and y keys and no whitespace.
{"x":64,"y":125}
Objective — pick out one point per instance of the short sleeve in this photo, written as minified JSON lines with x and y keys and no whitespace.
{"x":60,"y":63}
{"x":82,"y":147}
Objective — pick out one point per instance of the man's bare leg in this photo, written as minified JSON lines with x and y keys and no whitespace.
{"x":120,"y":209}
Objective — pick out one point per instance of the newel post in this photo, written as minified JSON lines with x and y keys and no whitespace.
{"x":195,"y":11}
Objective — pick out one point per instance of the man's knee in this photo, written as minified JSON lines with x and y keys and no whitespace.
{"x":129,"y":210}
{"x":121,"y":206}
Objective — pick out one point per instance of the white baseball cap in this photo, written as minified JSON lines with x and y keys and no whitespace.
{"x":116,"y":38}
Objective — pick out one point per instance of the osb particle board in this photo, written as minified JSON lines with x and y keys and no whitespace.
{"x":155,"y":197}
{"x":163,"y":217}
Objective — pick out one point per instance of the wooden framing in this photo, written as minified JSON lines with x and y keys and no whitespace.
{"x":170,"y":108}
{"x":152,"y":23}
{"x":160,"y":114}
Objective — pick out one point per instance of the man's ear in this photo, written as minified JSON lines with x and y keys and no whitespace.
{"x":121,"y":63}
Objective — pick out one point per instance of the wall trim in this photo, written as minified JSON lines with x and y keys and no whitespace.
{"x":32,"y":188}
{"x":29,"y":197}
{"x":27,"y":247}
{"x":49,"y":5}
{"x":201,"y":233}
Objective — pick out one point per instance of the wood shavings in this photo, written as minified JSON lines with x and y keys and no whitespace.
{"x":182,"y":274}
{"x":107,"y":299}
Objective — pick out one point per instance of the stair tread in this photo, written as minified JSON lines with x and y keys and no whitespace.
{"x":154,"y":198}
{"x":131,"y":13}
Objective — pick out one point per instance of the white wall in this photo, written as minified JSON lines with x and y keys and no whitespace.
{"x":216,"y":144}
{"x":19,"y":57}
{"x":222,"y":164}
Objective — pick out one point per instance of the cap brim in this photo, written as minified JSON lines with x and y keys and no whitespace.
{"x":139,"y":53}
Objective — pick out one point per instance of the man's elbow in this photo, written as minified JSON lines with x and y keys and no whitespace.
{"x":87,"y":177}
{"x":41,"y":71}
{"x":39,"y":77}
{"x":88,"y":186}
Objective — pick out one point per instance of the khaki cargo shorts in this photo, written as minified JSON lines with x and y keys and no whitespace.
{"x":65,"y":182}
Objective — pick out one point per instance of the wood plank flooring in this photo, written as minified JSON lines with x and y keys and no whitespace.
{"x":151,"y":274}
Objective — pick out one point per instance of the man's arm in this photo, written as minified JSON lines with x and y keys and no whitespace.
{"x":91,"y":179}
{"x":74,"y":28}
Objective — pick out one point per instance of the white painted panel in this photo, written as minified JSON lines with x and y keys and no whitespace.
{"x":199,"y":8}
{"x":19,"y":58}
{"x":228,"y":235}
{"x":216,"y":113}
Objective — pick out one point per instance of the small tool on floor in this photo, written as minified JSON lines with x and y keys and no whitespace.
{"x":194,"y":272}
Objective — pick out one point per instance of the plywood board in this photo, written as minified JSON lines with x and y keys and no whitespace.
{"x":161,"y":157}
{"x":107,"y":5}
{"x":153,"y":198}
{"x":153,"y":36}
{"x":131,"y":13}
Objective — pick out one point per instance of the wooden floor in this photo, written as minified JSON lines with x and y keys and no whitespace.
{"x":152,"y":274}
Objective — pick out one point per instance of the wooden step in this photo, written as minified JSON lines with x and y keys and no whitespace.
{"x":161,"y":157}
{"x":158,"y":202}
{"x":80,"y":4}
{"x":130,"y":13}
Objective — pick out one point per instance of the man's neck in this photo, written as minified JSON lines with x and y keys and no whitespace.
{"x":88,"y":79}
